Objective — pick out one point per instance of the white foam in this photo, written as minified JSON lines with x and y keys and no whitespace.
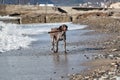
{"x":11,"y":35}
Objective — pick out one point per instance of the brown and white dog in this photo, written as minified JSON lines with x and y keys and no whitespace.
{"x":58,"y":34}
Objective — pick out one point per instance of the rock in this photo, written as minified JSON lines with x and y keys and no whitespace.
{"x":114,"y":50}
{"x":54,"y":72}
{"x":111,"y":56}
{"x":68,"y":75}
{"x":87,"y":77}
{"x":113,"y":63}
{"x":111,"y":73}
{"x":62,"y":76}
{"x":50,"y":78}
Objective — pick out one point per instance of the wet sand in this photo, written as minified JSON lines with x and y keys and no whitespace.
{"x":106,"y":62}
{"x":39,"y":63}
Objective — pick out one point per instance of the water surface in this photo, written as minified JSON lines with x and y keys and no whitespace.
{"x":38,"y":62}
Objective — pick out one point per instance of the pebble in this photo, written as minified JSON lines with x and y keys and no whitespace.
{"x":54,"y":72}
{"x":72,"y":68}
{"x":62,"y":76}
{"x":114,"y":50}
{"x":99,"y":74}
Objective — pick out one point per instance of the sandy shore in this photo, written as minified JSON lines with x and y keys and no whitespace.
{"x":106,"y":64}
{"x":104,"y":42}
{"x":93,"y":53}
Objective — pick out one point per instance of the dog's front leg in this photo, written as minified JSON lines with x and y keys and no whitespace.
{"x":57,"y":42}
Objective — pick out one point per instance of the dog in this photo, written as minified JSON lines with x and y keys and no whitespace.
{"x":58,"y":34}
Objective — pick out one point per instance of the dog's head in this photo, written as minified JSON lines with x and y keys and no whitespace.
{"x":63,"y":27}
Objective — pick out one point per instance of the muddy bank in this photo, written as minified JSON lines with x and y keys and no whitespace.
{"x":101,"y":24}
{"x":35,"y":13}
{"x":106,"y":25}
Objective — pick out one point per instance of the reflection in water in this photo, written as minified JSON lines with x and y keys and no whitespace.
{"x":49,"y":67}
{"x":61,"y":64}
{"x":57,"y":58}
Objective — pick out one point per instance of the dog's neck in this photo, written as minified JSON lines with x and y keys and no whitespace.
{"x":63,"y":32}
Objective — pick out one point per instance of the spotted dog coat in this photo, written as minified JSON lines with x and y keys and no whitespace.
{"x":58,"y":34}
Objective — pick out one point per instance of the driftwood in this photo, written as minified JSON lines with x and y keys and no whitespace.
{"x":54,"y":31}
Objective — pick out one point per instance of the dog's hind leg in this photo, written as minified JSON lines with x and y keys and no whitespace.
{"x":65,"y":46}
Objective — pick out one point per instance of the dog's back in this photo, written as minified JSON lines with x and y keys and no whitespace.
{"x":54,"y":33}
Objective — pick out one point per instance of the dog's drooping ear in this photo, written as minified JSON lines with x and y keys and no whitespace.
{"x":60,"y":28}
{"x":63,"y":27}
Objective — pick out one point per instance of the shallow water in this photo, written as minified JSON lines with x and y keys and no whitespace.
{"x":40,"y":67}
{"x":38,"y":62}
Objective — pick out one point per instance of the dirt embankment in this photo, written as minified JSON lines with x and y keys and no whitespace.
{"x":45,"y":18}
{"x":35,"y":13}
{"x":44,"y":14}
